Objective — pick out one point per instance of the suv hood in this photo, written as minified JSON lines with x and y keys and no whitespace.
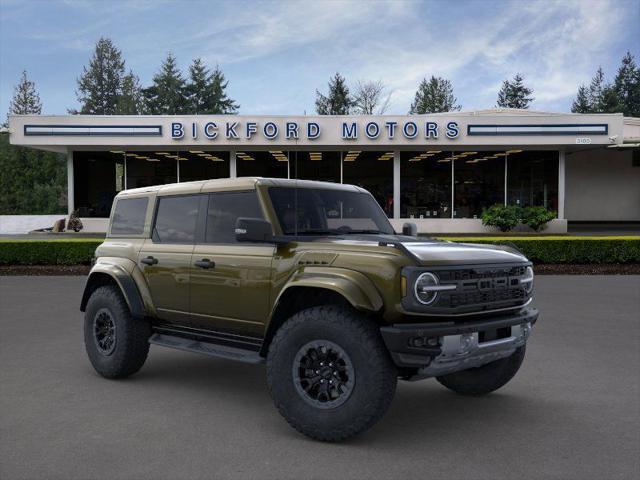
{"x":438,"y":252}
{"x":448,"y":253}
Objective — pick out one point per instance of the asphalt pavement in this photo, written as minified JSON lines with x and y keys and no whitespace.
{"x":572,"y":412}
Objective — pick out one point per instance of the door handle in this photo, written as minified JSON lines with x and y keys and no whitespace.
{"x":205,"y":263}
{"x":149,"y":260}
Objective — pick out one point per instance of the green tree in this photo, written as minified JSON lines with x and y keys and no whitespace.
{"x":167,"y":94}
{"x":206,"y":92}
{"x":514,"y":93}
{"x":581,"y":104}
{"x":130,"y":101}
{"x":100,"y":85}
{"x":31,"y":181}
{"x":219,"y":102}
{"x":627,"y":86}
{"x":434,"y":95}
{"x":338,"y":100}
{"x":25,"y":99}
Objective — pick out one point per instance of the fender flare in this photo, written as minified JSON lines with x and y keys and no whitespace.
{"x":354,"y":286}
{"x":125,"y":282}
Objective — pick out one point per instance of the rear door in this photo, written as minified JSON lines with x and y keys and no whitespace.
{"x":165,"y":258}
{"x":230,"y":281}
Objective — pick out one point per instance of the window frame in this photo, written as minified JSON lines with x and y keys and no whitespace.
{"x":209,"y":196}
{"x":199,"y":231}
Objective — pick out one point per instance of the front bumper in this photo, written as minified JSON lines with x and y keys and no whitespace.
{"x":434,"y":349}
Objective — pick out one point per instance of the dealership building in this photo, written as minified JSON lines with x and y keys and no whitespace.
{"x":439,"y":170}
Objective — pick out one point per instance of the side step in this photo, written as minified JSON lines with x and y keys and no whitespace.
{"x":191,"y":345}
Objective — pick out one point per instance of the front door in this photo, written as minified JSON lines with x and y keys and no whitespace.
{"x":165,"y":259}
{"x":230,"y":281}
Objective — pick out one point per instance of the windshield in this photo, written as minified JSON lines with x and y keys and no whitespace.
{"x":309,"y":211}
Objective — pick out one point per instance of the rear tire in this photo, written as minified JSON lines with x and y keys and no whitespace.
{"x":484,"y":379}
{"x":329,"y":373}
{"x":117,"y":344}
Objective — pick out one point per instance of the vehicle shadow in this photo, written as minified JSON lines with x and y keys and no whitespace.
{"x":419,"y":409}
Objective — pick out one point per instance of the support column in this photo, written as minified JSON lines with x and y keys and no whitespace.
{"x":561,"y":177}
{"x":396,"y":184}
{"x":506,"y":170}
{"x":71,"y":204}
{"x":232,"y":164}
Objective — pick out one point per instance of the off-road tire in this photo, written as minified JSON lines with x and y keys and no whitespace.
{"x":131,"y":335}
{"x":374,"y":372}
{"x":484,"y":379}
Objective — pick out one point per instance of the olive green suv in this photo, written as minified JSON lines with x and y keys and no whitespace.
{"x":311,"y":279}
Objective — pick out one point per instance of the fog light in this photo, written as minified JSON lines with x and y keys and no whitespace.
{"x":466,"y":341}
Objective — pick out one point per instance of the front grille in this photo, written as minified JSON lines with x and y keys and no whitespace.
{"x":482,"y":288}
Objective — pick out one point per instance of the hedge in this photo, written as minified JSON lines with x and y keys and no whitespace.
{"x":568,"y":249}
{"x":548,"y":249}
{"x":48,"y":252}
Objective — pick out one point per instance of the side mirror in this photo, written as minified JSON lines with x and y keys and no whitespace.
{"x":410,"y":229}
{"x":254,"y":230}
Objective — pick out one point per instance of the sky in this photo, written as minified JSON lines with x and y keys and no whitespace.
{"x":275,"y":54}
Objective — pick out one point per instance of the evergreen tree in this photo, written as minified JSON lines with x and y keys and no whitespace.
{"x":167,"y":95}
{"x":206,"y":92}
{"x":196,"y":89}
{"x":581,"y":104}
{"x":130,"y":101}
{"x":218,"y":100}
{"x":99,"y":86}
{"x":627,"y":86}
{"x":338,"y":101}
{"x":596,"y":91}
{"x":25,"y":99}
{"x":514,"y":94}
{"x":433,"y":96}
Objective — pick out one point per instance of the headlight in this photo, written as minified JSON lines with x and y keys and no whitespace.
{"x":426,"y":288}
{"x":527,"y":280}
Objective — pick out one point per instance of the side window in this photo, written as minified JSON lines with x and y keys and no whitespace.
{"x":224,"y":210}
{"x":129,"y":215}
{"x":176,"y":219}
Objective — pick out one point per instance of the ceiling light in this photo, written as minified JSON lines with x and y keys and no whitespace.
{"x":151,"y":159}
{"x":116,"y":151}
{"x":162,"y":153}
{"x":514,"y":151}
{"x":444,"y":160}
{"x":196,"y":151}
{"x":434,"y":151}
{"x":141,"y":157}
{"x":131,"y":154}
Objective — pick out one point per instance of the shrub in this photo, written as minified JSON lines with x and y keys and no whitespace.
{"x":570,"y":250}
{"x":537,"y":217}
{"x":48,"y":252}
{"x":503,"y":217}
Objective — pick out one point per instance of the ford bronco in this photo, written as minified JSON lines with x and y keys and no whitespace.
{"x":310,"y":279}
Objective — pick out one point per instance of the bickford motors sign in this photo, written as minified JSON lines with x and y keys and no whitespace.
{"x":310,"y":130}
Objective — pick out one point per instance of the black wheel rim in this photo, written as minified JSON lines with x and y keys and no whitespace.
{"x":323,"y":374}
{"x":104,"y":332}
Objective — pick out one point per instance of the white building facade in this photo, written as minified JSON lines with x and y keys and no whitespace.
{"x":439,"y":171}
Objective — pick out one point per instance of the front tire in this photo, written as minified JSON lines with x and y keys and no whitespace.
{"x":484,"y":379}
{"x":329,"y":373}
{"x":117,"y":344}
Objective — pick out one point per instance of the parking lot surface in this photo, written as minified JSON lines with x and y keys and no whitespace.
{"x":571,"y":412}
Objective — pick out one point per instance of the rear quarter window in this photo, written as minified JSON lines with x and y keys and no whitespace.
{"x":128,"y":216}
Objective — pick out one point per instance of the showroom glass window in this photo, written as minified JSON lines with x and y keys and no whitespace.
{"x":532,"y":179}
{"x":425,"y":184}
{"x":372,"y":171}
{"x":318,"y":165}
{"x":272,"y":164}
{"x":478,"y":182}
